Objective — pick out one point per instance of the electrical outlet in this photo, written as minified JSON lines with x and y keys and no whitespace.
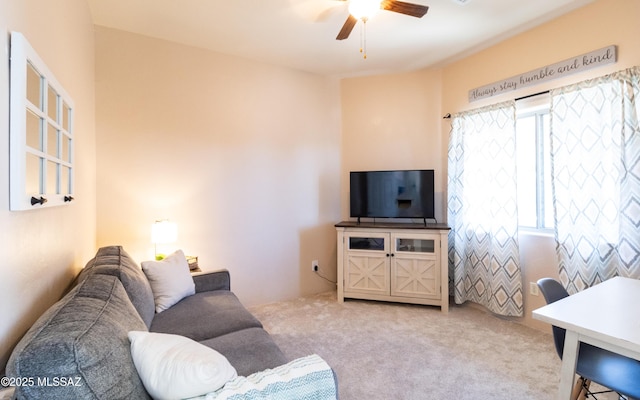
{"x":533,"y":289}
{"x":314,"y":265}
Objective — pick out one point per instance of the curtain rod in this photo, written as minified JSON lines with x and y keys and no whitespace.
{"x":531,"y":95}
{"x":448,"y":115}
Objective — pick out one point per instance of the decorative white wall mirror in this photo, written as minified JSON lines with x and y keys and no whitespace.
{"x":41,"y":133}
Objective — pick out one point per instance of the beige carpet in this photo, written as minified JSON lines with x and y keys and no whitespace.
{"x":396,"y":351}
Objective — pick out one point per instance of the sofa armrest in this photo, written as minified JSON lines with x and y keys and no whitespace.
{"x":214,"y":280}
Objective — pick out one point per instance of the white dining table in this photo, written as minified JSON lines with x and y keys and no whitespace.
{"x":606,"y":315}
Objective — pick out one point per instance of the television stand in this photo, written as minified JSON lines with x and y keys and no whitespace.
{"x":398,"y":262}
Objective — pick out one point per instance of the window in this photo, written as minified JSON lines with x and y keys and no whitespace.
{"x":535,"y":208}
{"x":41,"y":132}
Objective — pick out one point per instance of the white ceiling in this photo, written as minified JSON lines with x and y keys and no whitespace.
{"x":301,"y":33}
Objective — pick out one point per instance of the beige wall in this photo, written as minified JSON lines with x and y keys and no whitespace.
{"x":244,"y":157}
{"x":391,"y":121}
{"x":600,"y":24}
{"x":42,"y":250}
{"x":250,"y":160}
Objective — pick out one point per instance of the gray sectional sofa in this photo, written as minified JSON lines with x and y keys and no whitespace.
{"x":79,"y":348}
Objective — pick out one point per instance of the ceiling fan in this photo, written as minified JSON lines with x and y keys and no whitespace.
{"x":363,"y":9}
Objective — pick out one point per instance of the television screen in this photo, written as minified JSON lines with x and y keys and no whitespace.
{"x":392,"y":194}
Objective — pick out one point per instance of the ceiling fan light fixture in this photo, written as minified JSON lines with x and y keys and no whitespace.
{"x":364,"y":9}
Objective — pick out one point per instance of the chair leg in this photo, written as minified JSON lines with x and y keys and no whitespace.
{"x":585,"y":389}
{"x":580,"y":389}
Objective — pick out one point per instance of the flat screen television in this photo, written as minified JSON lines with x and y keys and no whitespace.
{"x":392,"y":194}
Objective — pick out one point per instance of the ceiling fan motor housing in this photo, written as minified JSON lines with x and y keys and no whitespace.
{"x":363,"y":9}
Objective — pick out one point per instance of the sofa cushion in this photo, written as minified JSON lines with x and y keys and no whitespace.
{"x":205,"y":315}
{"x":83,"y":338}
{"x":248,"y":350}
{"x":114,"y":260}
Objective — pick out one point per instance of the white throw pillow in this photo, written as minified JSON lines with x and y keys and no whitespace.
{"x":176,"y":367}
{"x":170,"y":280}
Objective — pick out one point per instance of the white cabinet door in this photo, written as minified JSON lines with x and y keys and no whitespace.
{"x":367,"y":263}
{"x":415,"y":267}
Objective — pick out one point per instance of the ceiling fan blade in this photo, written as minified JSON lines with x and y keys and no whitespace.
{"x":347,"y":28}
{"x":414,"y":10}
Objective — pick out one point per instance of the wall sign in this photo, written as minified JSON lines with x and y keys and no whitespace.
{"x":583,"y":62}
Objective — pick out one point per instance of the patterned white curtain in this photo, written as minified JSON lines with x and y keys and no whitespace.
{"x":596,"y":178}
{"x":484,"y":260}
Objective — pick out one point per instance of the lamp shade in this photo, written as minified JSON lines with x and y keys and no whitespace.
{"x":164,"y":231}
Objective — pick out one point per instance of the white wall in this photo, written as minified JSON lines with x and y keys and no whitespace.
{"x":42,"y":250}
{"x":244,"y":157}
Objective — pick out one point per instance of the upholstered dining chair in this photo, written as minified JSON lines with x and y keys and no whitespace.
{"x":614,"y":371}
